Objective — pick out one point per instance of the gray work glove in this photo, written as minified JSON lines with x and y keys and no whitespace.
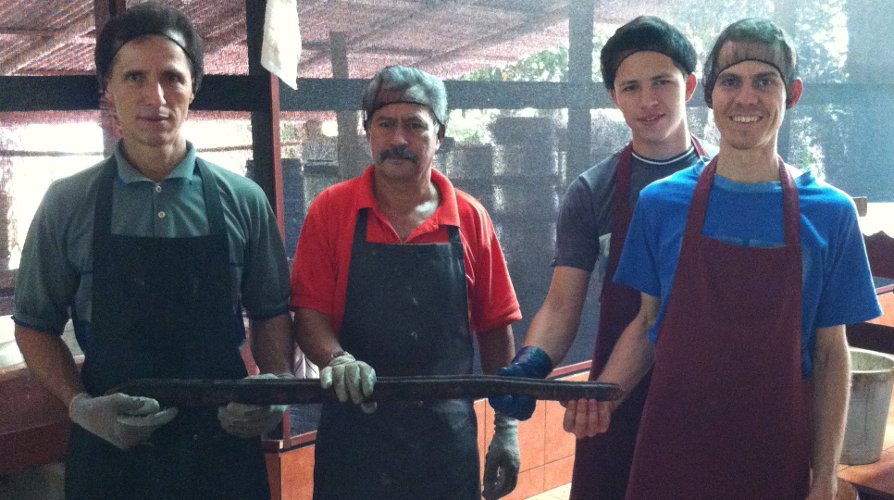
{"x":502,"y":460}
{"x":248,"y":421}
{"x":122,"y":420}
{"x":350,"y":379}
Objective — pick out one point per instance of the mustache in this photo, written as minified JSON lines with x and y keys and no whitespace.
{"x":398,"y":152}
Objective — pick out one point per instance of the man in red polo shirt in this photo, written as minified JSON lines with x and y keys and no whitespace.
{"x":393,"y":273}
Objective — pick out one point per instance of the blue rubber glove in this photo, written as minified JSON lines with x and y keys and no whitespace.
{"x":531,"y":362}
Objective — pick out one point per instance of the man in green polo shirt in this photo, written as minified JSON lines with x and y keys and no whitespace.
{"x":154,"y":253}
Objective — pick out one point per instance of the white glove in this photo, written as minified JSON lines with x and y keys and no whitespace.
{"x":247,"y":421}
{"x":122,"y":420}
{"x":351,"y":379}
{"x":502,"y":460}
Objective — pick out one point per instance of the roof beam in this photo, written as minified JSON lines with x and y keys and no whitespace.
{"x":45,"y":46}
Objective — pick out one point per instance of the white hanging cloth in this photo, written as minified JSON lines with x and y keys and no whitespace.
{"x":281,"y":48}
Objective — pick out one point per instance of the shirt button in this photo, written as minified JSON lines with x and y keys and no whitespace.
{"x":158,"y":188}
{"x":161,"y":215}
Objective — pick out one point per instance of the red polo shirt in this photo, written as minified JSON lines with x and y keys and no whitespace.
{"x":320,"y":268}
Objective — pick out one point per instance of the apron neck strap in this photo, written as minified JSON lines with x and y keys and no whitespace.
{"x":363,"y":216}
{"x":790,"y":208}
{"x":699,"y":149}
{"x":102,"y":219}
{"x":622,"y":175}
{"x":213,"y":205}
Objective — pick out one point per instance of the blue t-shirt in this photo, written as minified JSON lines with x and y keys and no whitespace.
{"x":837,"y":286}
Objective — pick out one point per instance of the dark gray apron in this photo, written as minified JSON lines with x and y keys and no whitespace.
{"x":406,"y":313}
{"x":162,"y":308}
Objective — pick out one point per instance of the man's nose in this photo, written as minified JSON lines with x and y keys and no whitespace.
{"x":649,"y":97}
{"x":746,"y":94}
{"x":398,"y":137}
{"x":154,"y":93}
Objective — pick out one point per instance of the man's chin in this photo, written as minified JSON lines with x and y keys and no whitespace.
{"x":154,"y":140}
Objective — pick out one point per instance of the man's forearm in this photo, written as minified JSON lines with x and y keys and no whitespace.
{"x":831,"y":390}
{"x":634,"y":353}
{"x":272,"y":344}
{"x":315,"y":336}
{"x":495,"y":348}
{"x":50,"y":362}
{"x":554,"y":326}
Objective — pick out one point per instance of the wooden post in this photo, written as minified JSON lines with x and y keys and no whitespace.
{"x":349,"y":160}
{"x":580,"y":75}
{"x":266,"y":169}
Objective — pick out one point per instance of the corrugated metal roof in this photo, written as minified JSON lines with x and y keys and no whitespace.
{"x":445,"y":37}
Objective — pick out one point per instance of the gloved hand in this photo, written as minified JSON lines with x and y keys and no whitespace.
{"x":531,"y":362}
{"x":122,"y":420}
{"x":502,"y":460}
{"x":351,"y":379}
{"x":247,"y":421}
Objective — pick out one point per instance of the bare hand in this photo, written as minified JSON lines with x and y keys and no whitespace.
{"x":586,"y":417}
{"x":826,"y":488}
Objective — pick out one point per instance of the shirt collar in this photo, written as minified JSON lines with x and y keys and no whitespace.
{"x":446,"y":213}
{"x":127,"y":173}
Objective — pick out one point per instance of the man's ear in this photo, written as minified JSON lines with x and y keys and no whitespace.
{"x":794,"y":93}
{"x":691,"y":83}
{"x":108,"y":98}
{"x":611,"y":93}
{"x":442,"y":132}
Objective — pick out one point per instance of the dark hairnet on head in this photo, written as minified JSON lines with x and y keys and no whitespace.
{"x":393,"y":84}
{"x":761,"y":40}
{"x":646,"y":33}
{"x":148,"y":19}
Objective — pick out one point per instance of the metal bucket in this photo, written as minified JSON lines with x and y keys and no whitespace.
{"x":872,"y":378}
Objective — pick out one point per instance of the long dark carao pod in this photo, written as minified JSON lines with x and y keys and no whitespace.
{"x":202,"y":392}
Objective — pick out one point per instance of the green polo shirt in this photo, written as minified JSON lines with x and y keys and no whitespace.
{"x":56,"y":271}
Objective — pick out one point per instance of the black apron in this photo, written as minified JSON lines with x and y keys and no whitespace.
{"x":406,"y":313}
{"x":162,"y":307}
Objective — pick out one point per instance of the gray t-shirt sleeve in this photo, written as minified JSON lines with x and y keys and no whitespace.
{"x":585,"y":216}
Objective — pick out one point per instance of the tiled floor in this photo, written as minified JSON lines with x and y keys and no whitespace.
{"x":560,"y":493}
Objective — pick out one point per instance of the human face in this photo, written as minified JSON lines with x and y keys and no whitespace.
{"x":750,"y":99}
{"x":651,"y":93}
{"x":150,"y":88}
{"x":403,"y":139}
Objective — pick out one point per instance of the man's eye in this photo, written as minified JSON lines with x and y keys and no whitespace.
{"x":729,"y":82}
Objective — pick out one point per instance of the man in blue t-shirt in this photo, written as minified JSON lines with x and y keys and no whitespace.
{"x":647,"y":67}
{"x":749,"y":269}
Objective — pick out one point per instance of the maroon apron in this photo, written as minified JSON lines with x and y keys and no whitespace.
{"x":727,"y":414}
{"x":602,"y":462}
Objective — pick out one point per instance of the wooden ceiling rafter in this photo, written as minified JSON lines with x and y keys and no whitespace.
{"x":80,"y":27}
